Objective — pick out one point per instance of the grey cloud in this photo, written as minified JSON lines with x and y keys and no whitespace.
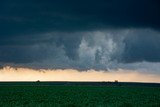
{"x":63,"y":50}
{"x":100,"y":50}
{"x":146,"y":67}
{"x":142,"y":45}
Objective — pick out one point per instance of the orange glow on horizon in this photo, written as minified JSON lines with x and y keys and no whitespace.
{"x":26,"y":74}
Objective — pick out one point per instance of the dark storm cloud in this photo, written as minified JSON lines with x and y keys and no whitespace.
{"x":72,"y":33}
{"x":32,"y":16}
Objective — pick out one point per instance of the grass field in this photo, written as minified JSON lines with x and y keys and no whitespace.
{"x":79,"y":96}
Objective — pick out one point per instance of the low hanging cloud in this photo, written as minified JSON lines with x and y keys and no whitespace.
{"x":24,"y":74}
{"x":131,"y":49}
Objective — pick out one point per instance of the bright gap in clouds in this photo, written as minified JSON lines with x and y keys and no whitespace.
{"x":122,"y":75}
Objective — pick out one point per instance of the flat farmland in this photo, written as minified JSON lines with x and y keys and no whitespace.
{"x":78,"y":96}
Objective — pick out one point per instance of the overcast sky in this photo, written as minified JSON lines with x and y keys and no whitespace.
{"x":80,"y":34}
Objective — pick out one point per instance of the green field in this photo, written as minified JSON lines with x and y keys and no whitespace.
{"x":79,"y":96}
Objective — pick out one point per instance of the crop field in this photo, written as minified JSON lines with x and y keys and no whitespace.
{"x":79,"y":96}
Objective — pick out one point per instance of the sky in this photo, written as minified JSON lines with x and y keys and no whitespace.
{"x":112,"y":37}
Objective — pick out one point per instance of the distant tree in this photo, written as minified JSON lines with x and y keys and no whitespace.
{"x":38,"y":81}
{"x":116,"y":81}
